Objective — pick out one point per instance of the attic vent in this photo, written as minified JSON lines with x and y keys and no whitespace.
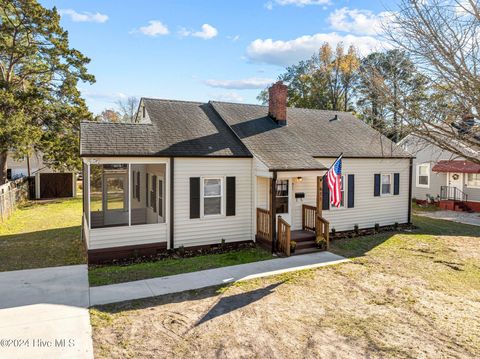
{"x":335,"y":118}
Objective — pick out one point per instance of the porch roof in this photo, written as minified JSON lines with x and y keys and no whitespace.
{"x":456,"y":166}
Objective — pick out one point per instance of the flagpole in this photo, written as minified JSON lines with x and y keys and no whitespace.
{"x":333,"y":164}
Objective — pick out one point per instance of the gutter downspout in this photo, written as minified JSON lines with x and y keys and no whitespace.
{"x":410,"y":191}
{"x":172,"y":195}
{"x":273,"y":210}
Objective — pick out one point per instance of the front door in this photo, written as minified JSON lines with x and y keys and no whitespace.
{"x":283,"y":200}
{"x":456,"y":180}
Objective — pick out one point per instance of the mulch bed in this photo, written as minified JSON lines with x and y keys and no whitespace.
{"x":179,"y":253}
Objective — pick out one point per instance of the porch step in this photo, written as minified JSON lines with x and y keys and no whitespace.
{"x":306,"y":244}
{"x":306,"y":251}
{"x":302,"y":236}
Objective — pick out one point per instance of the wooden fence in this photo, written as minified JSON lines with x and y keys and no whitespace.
{"x":11,"y":194}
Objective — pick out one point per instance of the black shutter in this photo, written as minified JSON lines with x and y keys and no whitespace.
{"x":396,"y":184}
{"x":194,"y":197}
{"x":351,"y":191}
{"x":154,"y":194}
{"x":137,"y":187}
{"x":376,"y":185}
{"x":146,"y":190}
{"x":231,"y":196}
{"x":325,"y":194}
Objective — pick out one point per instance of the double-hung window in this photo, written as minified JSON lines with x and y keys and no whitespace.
{"x":386,"y":184}
{"x":212,"y":196}
{"x":473,"y":180}
{"x":282,"y":196}
{"x":423,"y":175}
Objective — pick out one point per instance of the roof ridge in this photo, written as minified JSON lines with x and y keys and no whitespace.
{"x":171,"y":100}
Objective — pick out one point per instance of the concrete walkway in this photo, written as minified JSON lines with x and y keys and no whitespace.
{"x":206,"y":278}
{"x":460,"y":217}
{"x":43,"y":313}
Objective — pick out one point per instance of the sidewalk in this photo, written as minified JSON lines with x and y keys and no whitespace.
{"x":206,"y":278}
{"x":43,"y":313}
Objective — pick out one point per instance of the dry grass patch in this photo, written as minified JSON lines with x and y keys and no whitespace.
{"x":406,"y":295}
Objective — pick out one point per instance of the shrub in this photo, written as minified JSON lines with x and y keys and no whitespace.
{"x":377,"y":227}
{"x":356,"y":229}
{"x":293,"y":246}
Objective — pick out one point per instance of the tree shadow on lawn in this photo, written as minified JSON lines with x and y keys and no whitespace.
{"x":359,"y":246}
{"x":40,"y":249}
{"x":225,"y":305}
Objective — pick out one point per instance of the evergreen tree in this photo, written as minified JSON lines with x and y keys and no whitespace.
{"x":40,"y":105}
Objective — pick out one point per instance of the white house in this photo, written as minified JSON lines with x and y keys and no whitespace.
{"x":48,"y":183}
{"x":195,"y":174}
{"x":441,"y":176}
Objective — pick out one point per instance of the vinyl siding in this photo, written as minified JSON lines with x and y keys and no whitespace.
{"x":425,"y":152}
{"x":368,"y":210}
{"x":263,"y":192}
{"x":204,"y":231}
{"x":126,"y":236}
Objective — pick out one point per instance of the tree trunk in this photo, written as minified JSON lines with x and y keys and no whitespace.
{"x":3,"y":167}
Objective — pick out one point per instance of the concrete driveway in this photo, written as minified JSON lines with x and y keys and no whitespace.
{"x":43,"y":313}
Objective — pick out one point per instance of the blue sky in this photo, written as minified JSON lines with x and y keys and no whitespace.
{"x":209,"y":49}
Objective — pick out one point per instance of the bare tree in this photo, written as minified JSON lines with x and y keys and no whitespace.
{"x":442,"y":37}
{"x":128,"y":108}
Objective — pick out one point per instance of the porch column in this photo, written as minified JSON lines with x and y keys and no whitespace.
{"x":319,"y":195}
{"x":273,"y":209}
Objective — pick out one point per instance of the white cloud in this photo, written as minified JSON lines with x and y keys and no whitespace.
{"x":288,"y":52}
{"x":358,"y":21}
{"x":207,"y":32}
{"x":228,"y":97}
{"x":84,"y":16}
{"x":300,"y":3}
{"x":154,"y":28}
{"x":250,"y":83}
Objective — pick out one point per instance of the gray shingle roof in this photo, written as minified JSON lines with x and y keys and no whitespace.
{"x":308,"y":134}
{"x":178,"y":128}
{"x":181,"y":128}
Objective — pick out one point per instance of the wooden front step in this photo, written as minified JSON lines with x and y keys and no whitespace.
{"x":302,"y":236}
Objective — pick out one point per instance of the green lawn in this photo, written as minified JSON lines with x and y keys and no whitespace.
{"x":110,"y":274}
{"x":42,"y":234}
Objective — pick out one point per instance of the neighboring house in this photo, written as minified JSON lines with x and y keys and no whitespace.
{"x":193,"y":174}
{"x":47,"y":182}
{"x":441,"y":176}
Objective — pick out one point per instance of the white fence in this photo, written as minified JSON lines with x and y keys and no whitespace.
{"x":11,"y":194}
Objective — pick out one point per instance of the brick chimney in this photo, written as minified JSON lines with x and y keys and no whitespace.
{"x":277,"y":103}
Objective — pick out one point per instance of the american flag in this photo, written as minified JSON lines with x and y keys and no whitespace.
{"x":334,"y":181}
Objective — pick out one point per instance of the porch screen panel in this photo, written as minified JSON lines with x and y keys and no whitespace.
{"x":109,"y":199}
{"x":144,"y":205}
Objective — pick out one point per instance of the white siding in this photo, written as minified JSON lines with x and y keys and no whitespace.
{"x":263,"y":192}
{"x":203,"y":231}
{"x":368,"y":209}
{"x":127,"y":236}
